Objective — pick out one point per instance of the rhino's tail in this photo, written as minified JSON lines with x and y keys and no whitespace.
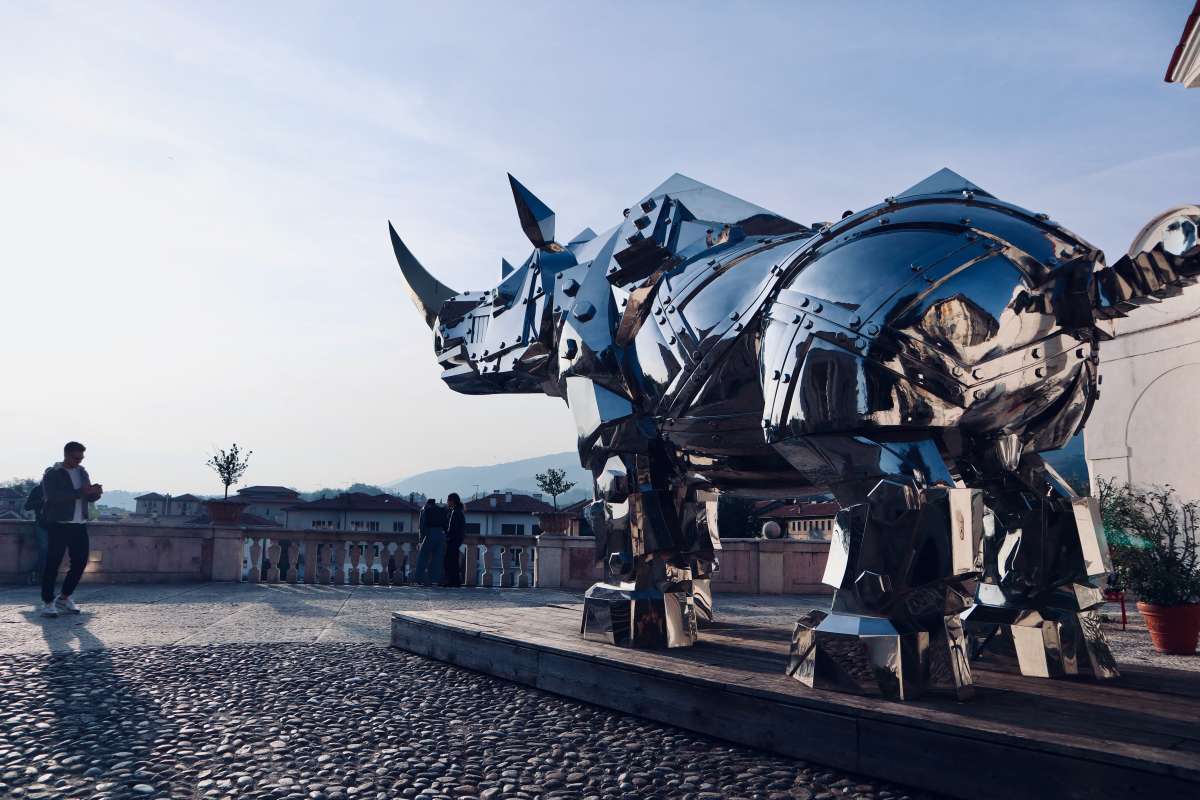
{"x":1164,"y":258}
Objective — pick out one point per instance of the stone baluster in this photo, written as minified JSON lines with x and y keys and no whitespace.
{"x":256,"y":553}
{"x":391,"y":564}
{"x":311,"y":562}
{"x":510,"y":566}
{"x":368,"y":560}
{"x":323,"y":573}
{"x":339,"y":563}
{"x":376,"y":569}
{"x":471,"y":564}
{"x":293,"y":561}
{"x":355,"y":554}
{"x":527,"y":569}
{"x":406,"y":559}
{"x":273,"y":557}
{"x":496,"y":564}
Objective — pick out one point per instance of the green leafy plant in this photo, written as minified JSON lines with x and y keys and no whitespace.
{"x":554,"y":482}
{"x":1153,"y":537}
{"x":230,"y":465}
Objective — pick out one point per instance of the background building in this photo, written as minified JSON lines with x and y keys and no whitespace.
{"x":268,"y":502}
{"x":505,"y":513}
{"x":805,"y":520}
{"x":1145,"y":428}
{"x":355,"y":511}
{"x":1185,"y":61}
{"x":12,"y":503}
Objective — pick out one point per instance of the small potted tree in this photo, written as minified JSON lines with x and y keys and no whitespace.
{"x":230,"y":465}
{"x":554,"y":482}
{"x":1154,"y":538}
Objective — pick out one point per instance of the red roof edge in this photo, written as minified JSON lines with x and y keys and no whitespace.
{"x":1188,"y":27}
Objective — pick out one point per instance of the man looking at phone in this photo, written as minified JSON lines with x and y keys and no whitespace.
{"x":67,"y":490}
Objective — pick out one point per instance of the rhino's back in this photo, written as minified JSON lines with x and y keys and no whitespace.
{"x":932,"y":312}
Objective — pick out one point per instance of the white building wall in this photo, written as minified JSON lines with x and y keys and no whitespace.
{"x":492,"y":523}
{"x":345,"y":520}
{"x":271,"y":510}
{"x":1145,"y":427}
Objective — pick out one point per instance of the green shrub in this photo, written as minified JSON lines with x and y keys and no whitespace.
{"x":1152,"y":536}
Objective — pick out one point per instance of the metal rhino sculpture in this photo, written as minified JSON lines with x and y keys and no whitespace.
{"x":912,"y":359}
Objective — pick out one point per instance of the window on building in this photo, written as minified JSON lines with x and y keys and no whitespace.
{"x":473,"y":528}
{"x":373,"y":525}
{"x":397,"y":527}
{"x":512,"y":529}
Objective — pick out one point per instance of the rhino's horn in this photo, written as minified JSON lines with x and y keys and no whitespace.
{"x":427,"y":292}
{"x":537,"y":220}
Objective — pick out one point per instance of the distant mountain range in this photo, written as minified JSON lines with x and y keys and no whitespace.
{"x":120,"y":499}
{"x":519,"y":476}
{"x":510,"y":475}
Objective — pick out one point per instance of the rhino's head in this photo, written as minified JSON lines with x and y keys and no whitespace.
{"x":500,"y":339}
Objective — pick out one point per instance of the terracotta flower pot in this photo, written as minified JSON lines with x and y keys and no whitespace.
{"x":1175,"y":630}
{"x":225,"y":512}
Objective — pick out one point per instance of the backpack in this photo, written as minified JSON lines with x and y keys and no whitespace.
{"x":35,"y":501}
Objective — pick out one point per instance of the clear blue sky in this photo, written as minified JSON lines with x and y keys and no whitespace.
{"x":194,"y":196}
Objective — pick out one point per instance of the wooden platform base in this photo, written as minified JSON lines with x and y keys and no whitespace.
{"x":1138,"y":736}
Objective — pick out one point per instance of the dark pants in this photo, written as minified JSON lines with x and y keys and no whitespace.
{"x":452,"y":568}
{"x":64,"y":538}
{"x":43,"y":547}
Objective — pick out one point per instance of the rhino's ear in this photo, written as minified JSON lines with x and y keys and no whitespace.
{"x":427,"y":293}
{"x":537,"y":220}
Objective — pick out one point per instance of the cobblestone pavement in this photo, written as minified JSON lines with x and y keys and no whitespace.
{"x":347,"y":720}
{"x":219,"y":613}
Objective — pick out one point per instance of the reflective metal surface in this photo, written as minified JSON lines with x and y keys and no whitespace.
{"x":912,"y":359}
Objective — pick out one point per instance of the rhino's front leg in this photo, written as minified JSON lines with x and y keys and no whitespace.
{"x":658,"y":552}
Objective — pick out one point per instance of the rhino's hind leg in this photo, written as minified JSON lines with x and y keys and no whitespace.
{"x":901,"y":561}
{"x":1037,"y":603}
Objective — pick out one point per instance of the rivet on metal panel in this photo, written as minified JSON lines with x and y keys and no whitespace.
{"x":808,"y":323}
{"x":872,"y":329}
{"x":1039,"y":372}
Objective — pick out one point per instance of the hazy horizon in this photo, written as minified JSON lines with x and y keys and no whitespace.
{"x":196,"y":197}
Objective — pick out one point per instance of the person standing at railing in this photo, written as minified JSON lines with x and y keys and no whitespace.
{"x":67,"y":491}
{"x":456,"y":527}
{"x":431,"y":549}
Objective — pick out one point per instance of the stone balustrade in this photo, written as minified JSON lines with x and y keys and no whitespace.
{"x":354,"y":558}
{"x":749,"y":566}
{"x":164,"y":553}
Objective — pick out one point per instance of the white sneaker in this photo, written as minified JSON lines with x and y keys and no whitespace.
{"x":48,"y":610}
{"x":66,"y":604}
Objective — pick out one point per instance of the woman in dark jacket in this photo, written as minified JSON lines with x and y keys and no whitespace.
{"x":455,"y":531}
{"x":431,"y":551}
